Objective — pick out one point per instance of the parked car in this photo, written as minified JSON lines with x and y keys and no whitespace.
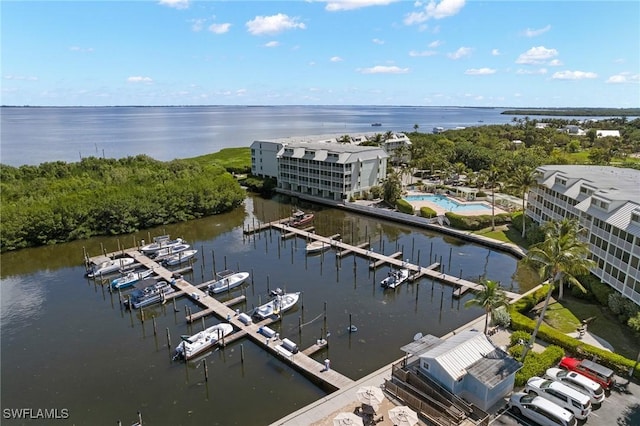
{"x":578,"y":382}
{"x":540,"y":410}
{"x":593,"y":370}
{"x":568,"y":398}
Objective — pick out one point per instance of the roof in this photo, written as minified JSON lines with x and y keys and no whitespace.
{"x":320,"y":151}
{"x":459,"y":352}
{"x":494,"y":367}
{"x":421,"y":345}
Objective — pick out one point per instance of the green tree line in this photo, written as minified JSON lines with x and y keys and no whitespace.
{"x":58,"y":201}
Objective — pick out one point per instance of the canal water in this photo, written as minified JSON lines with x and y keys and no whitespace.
{"x":68,"y":344}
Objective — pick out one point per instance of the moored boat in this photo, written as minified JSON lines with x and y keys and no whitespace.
{"x":227,"y":280}
{"x":160,"y":243}
{"x":300,"y":218}
{"x":110,"y":266}
{"x":280,"y":303}
{"x":130,"y":278}
{"x":203,"y":340}
{"x":395,"y":278}
{"x":171,"y":250}
{"x":316,"y":247}
{"x":181,"y":257}
{"x":148,"y":292}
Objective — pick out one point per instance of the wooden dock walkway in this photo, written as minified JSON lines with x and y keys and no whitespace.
{"x":346,"y":252}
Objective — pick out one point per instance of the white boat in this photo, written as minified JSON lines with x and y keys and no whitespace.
{"x":130,"y":278}
{"x":317,"y":247}
{"x":181,"y":257}
{"x":109,"y":266}
{"x":171,"y":250}
{"x":280,"y":303}
{"x":147,"y":293}
{"x":200,"y":342}
{"x":395,"y":278}
{"x":160,"y":243}
{"x":227,"y":280}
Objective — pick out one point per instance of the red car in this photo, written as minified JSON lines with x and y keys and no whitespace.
{"x":590,"y":369}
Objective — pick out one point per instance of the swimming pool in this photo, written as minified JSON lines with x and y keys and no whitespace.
{"x":449,"y":204}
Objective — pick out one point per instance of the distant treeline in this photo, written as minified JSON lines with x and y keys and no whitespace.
{"x":58,"y":201}
{"x":577,"y":112}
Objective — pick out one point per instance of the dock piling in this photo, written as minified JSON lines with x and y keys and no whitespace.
{"x":168,"y":339}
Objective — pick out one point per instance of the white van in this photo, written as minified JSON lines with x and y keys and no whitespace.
{"x":577,"y":381}
{"x":540,"y":410}
{"x":576,"y":402}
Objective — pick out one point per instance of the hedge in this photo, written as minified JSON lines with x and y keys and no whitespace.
{"x":474,"y":223}
{"x":404,"y":206}
{"x":427,"y":212}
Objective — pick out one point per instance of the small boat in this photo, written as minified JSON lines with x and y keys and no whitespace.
{"x":376,"y":124}
{"x":203,"y":340}
{"x":168,"y":251}
{"x":300,"y":218}
{"x":109,"y":266}
{"x":180,"y":257}
{"x":148,"y":292}
{"x":227,"y":280}
{"x":395,"y":278}
{"x":316,"y":247}
{"x":280,"y":303}
{"x":160,"y":243}
{"x":130,"y":278}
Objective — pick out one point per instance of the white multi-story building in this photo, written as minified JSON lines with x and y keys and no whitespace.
{"x":335,"y":167}
{"x":606,"y":202}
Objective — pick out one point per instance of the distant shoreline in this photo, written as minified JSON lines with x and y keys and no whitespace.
{"x":599,"y":112}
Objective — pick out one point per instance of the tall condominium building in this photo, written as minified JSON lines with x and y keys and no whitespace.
{"x":335,"y":167}
{"x":606,"y":202}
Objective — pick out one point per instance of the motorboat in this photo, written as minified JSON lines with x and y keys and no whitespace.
{"x":317,"y":247}
{"x":130,"y":278}
{"x":376,"y":124}
{"x":395,"y":278}
{"x":148,"y":292}
{"x":180,"y":257}
{"x":227,"y":280}
{"x":280,"y":303}
{"x":203,"y":340}
{"x":300,"y":218}
{"x":171,"y":250}
{"x":160,"y":243}
{"x":110,"y":266}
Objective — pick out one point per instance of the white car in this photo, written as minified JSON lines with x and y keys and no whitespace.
{"x":578,"y":382}
{"x":568,"y":398}
{"x":540,"y":410}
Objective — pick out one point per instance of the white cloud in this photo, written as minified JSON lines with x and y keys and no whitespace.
{"x":435,"y":44}
{"x":555,"y":63}
{"x":480,"y":71}
{"x":339,"y":5}
{"x":20,"y":77}
{"x":423,"y":53}
{"x":81,"y":49}
{"x":538,"y":71}
{"x":272,"y":44}
{"x":381,"y":69}
{"x":495,"y":52}
{"x":536,"y":55}
{"x":573,"y":75}
{"x":219,"y":28}
{"x":534,"y":33}
{"x":624,"y":77}
{"x":377,"y":41}
{"x":336,"y":59}
{"x":197,"y":24}
{"x":435,"y":10}
{"x":176,"y":4}
{"x":460,"y":53}
{"x":139,"y":79}
{"x":273,"y":24}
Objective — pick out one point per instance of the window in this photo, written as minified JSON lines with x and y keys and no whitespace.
{"x":561,"y":181}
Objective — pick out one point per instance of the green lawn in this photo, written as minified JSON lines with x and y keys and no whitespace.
{"x":507,"y":234}
{"x":234,"y":158}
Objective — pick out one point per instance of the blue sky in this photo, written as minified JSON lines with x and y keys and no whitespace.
{"x":354,"y":52}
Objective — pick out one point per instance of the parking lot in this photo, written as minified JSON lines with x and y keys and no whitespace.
{"x":620,"y":408}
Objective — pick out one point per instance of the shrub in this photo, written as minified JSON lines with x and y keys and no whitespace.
{"x":501,"y":317}
{"x":622,"y":306}
{"x":518,"y":336}
{"x":536,"y":364}
{"x":481,"y":194}
{"x":600,"y":290}
{"x":427,"y":212}
{"x":473,"y":223}
{"x":404,"y":206}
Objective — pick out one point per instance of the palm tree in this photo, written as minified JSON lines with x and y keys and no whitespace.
{"x":493,"y":174}
{"x":522,"y":180}
{"x":490,"y":297}
{"x":558,"y":259}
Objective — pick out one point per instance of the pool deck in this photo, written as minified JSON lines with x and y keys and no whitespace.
{"x":417,"y":205}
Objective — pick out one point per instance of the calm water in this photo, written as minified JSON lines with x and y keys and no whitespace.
{"x":449,"y":203}
{"x":37,"y":135}
{"x":66,"y":343}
